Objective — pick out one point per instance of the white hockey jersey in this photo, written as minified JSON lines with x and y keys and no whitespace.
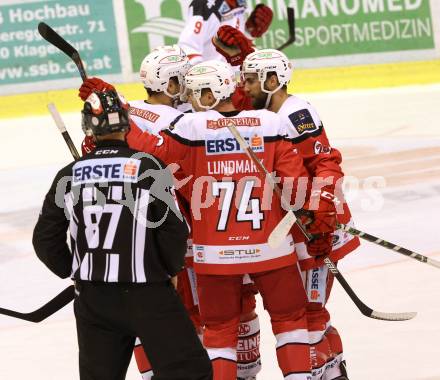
{"x":152,"y":117}
{"x":203,"y":20}
{"x":306,"y":131}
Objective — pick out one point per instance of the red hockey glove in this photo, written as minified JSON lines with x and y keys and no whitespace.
{"x":93,"y":84}
{"x":320,"y":245}
{"x":259,"y":20}
{"x":232,"y":44}
{"x":322,"y":203}
{"x":88,"y":145}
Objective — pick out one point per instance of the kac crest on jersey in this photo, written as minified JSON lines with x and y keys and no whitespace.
{"x":303,"y":122}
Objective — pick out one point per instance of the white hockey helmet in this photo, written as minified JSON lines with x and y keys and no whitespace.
{"x":215,"y":75}
{"x":160,"y":65}
{"x":262,"y":62}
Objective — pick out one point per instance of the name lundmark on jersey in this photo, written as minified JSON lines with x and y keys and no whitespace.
{"x":231,"y":167}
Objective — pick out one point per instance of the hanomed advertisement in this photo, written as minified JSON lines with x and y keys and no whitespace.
{"x":345,"y":27}
{"x":88,"y":25}
{"x":323,"y":27}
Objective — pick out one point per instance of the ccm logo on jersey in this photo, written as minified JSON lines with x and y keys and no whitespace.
{"x":118,"y":169}
{"x":106,"y":151}
{"x":303,"y":121}
{"x":227,"y":145}
{"x":238,"y":238}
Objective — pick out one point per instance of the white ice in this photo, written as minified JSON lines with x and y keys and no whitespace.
{"x":393,"y":133}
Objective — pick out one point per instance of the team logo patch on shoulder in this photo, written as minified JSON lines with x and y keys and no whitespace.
{"x":303,"y":122}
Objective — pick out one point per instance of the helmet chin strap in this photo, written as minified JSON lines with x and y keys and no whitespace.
{"x":177,"y":95}
{"x":269,"y":93}
{"x":173,"y":97}
{"x":268,"y":99}
{"x":217,"y":101}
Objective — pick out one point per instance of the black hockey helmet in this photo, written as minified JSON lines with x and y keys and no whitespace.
{"x":104,"y":113}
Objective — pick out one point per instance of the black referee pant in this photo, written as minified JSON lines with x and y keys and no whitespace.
{"x":109,"y":316}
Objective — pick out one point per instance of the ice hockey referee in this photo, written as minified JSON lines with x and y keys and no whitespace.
{"x":127,"y":241}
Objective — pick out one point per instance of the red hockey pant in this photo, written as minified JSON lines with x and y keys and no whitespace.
{"x":220,"y":301}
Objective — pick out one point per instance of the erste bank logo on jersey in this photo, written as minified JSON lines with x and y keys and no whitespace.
{"x":117,"y":169}
{"x":225,"y":143}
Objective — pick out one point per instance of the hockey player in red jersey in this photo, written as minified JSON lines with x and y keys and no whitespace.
{"x":266,"y":74}
{"x":230,"y":224}
{"x":205,"y":17}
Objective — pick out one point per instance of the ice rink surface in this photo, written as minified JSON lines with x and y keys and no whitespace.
{"x":389,"y":133}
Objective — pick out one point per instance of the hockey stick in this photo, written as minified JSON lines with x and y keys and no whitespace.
{"x":67,"y":294}
{"x":55,"y":39}
{"x":364,"y":309}
{"x":62,"y":128}
{"x":389,"y":245}
{"x":291,"y":25}
{"x":46,"y":310}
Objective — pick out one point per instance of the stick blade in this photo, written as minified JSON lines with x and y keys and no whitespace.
{"x":280,"y":232}
{"x":55,"y":39}
{"x":433,"y":262}
{"x":392,"y":316}
{"x":291,"y":22}
{"x":45,"y":311}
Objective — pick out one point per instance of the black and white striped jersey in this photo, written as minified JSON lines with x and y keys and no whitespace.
{"x":119,"y":207}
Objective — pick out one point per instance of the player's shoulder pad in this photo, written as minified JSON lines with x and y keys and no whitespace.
{"x":67,"y":170}
{"x":205,"y":8}
{"x":183,"y":127}
{"x":272,"y":122}
{"x":302,"y":121}
{"x":135,"y":103}
{"x":301,"y":118}
{"x":63,"y":179}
